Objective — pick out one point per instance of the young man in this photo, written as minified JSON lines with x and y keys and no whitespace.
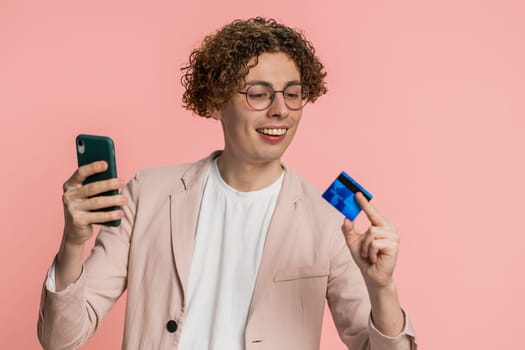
{"x":234,"y":251}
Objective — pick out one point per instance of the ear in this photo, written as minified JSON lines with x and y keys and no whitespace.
{"x":215,"y":114}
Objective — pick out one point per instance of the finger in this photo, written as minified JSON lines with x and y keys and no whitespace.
{"x":379,"y":247}
{"x":350,"y":232}
{"x":79,"y":199}
{"x":373,"y":234}
{"x":80,"y":175}
{"x":373,"y":250}
{"x":371,"y":212}
{"x":99,"y":187}
{"x":97,"y":217}
{"x":365,"y":245}
{"x":353,"y":239}
{"x":81,"y":219}
{"x":100,"y":202}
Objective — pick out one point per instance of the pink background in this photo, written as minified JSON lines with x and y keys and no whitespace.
{"x":425,"y":107}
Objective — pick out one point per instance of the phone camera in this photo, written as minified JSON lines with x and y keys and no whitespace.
{"x":81,"y":147}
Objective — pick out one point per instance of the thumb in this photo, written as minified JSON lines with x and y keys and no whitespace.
{"x":353,"y":239}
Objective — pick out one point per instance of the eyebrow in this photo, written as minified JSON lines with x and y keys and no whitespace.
{"x":265,"y":83}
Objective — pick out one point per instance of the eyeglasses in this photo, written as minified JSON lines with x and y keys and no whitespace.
{"x":260,"y":96}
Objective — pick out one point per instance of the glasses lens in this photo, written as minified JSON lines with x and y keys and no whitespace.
{"x":295,"y":96}
{"x":259,"y":96}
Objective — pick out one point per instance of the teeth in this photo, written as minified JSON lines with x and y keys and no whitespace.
{"x":273,"y":132}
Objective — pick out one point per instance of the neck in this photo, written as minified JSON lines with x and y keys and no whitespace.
{"x":245,"y":176}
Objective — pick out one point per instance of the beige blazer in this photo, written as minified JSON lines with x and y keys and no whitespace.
{"x":305,"y":262}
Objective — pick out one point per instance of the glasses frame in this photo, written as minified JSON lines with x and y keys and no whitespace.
{"x":272,"y":96}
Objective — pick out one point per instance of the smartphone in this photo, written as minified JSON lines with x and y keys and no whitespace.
{"x":91,"y":148}
{"x":341,"y":195}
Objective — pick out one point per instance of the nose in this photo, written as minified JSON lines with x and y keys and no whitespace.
{"x":278,"y":107}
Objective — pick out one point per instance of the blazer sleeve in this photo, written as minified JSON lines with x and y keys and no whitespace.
{"x":67,"y":318}
{"x":349,"y":304}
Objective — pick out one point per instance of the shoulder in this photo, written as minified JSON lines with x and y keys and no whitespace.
{"x":162,"y":173}
{"x":313,"y":203}
{"x":170,"y":178}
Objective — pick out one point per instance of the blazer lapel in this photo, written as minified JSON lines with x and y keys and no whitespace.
{"x":278,"y":237}
{"x":184,"y":212}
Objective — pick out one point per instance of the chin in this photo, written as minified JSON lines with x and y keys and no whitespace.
{"x":273,"y":155}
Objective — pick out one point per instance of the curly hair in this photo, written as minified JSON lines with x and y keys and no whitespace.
{"x":218,"y":68}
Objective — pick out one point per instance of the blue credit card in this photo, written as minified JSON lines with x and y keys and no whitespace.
{"x":341,"y":194}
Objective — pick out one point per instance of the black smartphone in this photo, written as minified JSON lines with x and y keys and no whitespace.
{"x":91,"y":148}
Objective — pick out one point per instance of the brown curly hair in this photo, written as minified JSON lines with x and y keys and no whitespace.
{"x":218,"y":68}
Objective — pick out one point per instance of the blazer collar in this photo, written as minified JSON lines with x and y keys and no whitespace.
{"x":184,"y":213}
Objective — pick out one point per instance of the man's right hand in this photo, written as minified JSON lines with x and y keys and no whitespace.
{"x":79,"y":203}
{"x":79,"y":217}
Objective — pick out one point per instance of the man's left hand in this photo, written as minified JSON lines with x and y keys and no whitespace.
{"x":375,"y":251}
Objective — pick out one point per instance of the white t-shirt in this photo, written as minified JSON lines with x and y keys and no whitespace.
{"x":231,"y":232}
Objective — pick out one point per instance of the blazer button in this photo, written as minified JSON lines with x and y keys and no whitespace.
{"x":171,"y":326}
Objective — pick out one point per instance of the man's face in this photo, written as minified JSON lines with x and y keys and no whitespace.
{"x":261,"y":136}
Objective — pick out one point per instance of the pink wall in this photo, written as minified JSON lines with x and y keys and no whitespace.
{"x":426,"y":107}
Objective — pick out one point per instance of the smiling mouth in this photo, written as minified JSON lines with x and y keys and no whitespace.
{"x":272,"y":132}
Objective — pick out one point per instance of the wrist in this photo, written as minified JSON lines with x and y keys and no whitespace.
{"x":71,"y":239}
{"x":386,"y":291}
{"x":70,"y":250}
{"x":70,"y":246}
{"x":384,"y":285}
